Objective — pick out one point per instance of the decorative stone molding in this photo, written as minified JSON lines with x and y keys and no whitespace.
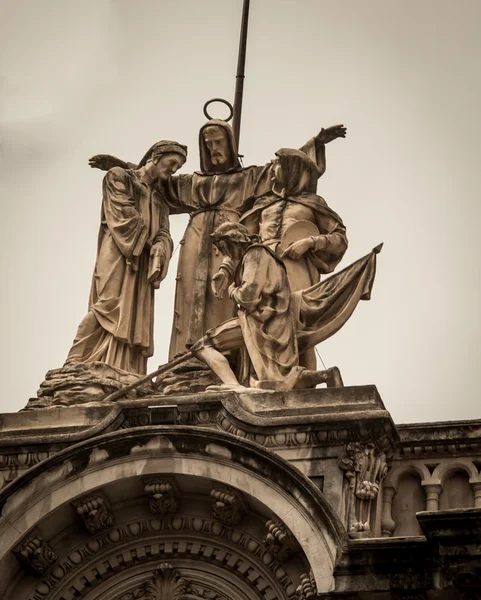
{"x":307,"y":588}
{"x":279,"y":540}
{"x":167,"y":583}
{"x":141,"y":592}
{"x":95,"y":513}
{"x":36,"y":555}
{"x":365,"y":468}
{"x":160,"y":540}
{"x":229,"y":506}
{"x":163,"y":497}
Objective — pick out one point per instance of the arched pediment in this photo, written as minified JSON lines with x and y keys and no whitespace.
{"x":124,"y":502}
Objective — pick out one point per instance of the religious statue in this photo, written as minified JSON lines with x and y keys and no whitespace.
{"x":265,"y":325}
{"x":220,"y":192}
{"x":134,"y":249}
{"x":296,"y":224}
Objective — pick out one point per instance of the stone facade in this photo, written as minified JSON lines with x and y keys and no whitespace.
{"x":288,"y":495}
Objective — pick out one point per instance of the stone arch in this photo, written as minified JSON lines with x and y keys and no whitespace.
{"x":443,"y":470}
{"x":409,"y":498}
{"x":396,"y":473}
{"x":269,"y":483}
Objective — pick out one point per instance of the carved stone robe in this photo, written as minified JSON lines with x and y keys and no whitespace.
{"x":118,"y":329}
{"x":266,"y":318}
{"x":212,"y":198}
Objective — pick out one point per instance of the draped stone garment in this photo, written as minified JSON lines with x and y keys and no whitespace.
{"x":118,"y":329}
{"x":266,"y":319}
{"x":212,"y":198}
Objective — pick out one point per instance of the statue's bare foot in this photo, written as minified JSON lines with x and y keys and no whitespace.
{"x":227,"y":387}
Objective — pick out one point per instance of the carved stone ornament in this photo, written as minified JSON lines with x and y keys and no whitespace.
{"x":279,"y":540}
{"x":307,"y":588}
{"x":228,"y":505}
{"x":95,"y":513}
{"x":36,"y":555}
{"x":163,"y":497}
{"x":167,"y":583}
{"x":365,"y":467}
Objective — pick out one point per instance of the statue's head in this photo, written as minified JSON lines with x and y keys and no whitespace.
{"x":218,"y":152}
{"x":165,"y":158}
{"x":293,"y":173}
{"x":232,"y":239}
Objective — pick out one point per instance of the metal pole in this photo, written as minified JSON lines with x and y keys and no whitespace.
{"x":239,"y":85}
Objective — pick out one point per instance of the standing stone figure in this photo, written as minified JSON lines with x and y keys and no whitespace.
{"x":218,"y":193}
{"x":265,"y":325}
{"x":134,"y":249}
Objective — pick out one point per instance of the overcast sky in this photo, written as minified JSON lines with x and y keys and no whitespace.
{"x":114,"y":76}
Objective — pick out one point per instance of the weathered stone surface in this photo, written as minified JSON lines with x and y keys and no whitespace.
{"x":95,"y":513}
{"x":36,"y":555}
{"x":80,"y":383}
{"x":162,"y":494}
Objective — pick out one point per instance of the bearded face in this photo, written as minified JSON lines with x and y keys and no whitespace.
{"x":215,"y":139}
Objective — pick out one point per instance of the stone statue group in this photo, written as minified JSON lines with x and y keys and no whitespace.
{"x":249,"y":303}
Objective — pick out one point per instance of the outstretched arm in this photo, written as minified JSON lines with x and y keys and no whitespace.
{"x":315,"y":148}
{"x":105,"y":162}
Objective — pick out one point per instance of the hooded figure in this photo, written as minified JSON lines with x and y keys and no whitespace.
{"x":298,"y":225}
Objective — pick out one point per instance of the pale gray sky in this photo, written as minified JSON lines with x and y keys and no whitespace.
{"x":114,"y":76}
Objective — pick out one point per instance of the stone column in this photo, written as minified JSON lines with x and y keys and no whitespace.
{"x":387,"y":523}
{"x":476,"y":485}
{"x":432,"y":491}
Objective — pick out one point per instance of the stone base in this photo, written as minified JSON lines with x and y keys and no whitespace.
{"x":81,"y":383}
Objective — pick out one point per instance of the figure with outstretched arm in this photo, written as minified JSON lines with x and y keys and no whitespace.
{"x":221,"y":191}
{"x":134,"y":250}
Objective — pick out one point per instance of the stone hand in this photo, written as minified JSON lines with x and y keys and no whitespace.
{"x":105,"y":162}
{"x":219,"y":284}
{"x":331,"y":133}
{"x":297,"y":249}
{"x":159,"y":266}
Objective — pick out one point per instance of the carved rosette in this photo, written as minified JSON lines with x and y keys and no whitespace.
{"x":365,"y":467}
{"x":279,"y":540}
{"x":163,"y":497}
{"x":95,"y":513}
{"x":36,"y":555}
{"x":307,"y":588}
{"x":229,"y":506}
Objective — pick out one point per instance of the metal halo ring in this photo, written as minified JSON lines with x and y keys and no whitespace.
{"x":228,"y":104}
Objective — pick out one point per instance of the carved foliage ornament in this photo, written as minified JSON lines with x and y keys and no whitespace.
{"x":279,"y":540}
{"x":36,"y":555}
{"x":307,"y":588}
{"x":365,"y":467}
{"x":163,"y":498}
{"x":228,"y":505}
{"x":95,"y":513}
{"x":167,"y":583}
